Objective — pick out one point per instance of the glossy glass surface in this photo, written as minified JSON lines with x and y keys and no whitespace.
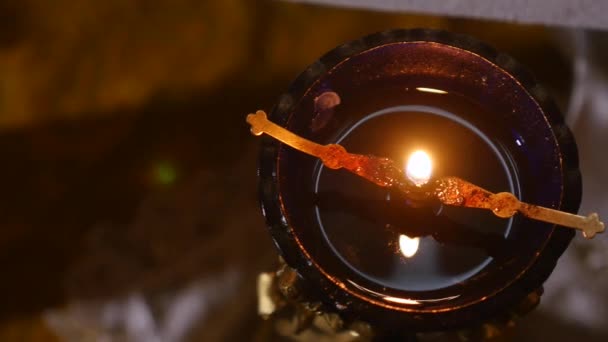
{"x":376,"y":233}
{"x":371,"y":251}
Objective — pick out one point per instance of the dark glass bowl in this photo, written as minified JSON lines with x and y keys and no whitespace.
{"x":392,"y":72}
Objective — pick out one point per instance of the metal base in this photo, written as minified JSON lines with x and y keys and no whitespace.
{"x":289,"y":305}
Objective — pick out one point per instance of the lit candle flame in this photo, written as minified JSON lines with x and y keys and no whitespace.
{"x":419,"y":168}
{"x":408,"y":245}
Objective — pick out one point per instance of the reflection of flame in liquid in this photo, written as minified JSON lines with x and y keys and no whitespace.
{"x":419,"y":168}
{"x":408,"y":245}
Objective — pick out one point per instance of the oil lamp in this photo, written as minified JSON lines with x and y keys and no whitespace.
{"x":434,"y":178}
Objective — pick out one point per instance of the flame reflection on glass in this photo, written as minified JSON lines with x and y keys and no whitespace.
{"x":419,"y":168}
{"x":401,"y":300}
{"x":386,"y":298}
{"x":431,"y":90}
{"x":408,"y":246}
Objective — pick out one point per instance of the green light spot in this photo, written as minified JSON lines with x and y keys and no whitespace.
{"x":165,"y":173}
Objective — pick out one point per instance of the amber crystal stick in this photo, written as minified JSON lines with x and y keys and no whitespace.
{"x":260,"y":124}
{"x":381,"y":171}
{"x":458,"y":192}
{"x":448,"y":190}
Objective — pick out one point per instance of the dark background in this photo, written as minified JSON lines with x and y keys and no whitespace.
{"x":128,"y":204}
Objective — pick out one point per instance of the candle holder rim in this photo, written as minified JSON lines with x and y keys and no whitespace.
{"x":296,"y":256}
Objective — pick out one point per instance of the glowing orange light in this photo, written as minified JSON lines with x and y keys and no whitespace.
{"x":419,"y":168}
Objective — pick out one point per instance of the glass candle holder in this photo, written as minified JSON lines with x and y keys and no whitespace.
{"x":371,"y":254}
